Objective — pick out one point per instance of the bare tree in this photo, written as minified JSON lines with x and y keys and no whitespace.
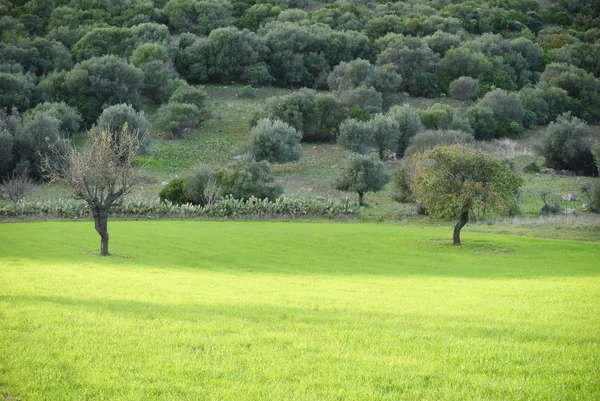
{"x":101,"y":173}
{"x":17,"y":186}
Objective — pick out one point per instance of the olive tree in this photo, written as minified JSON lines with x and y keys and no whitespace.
{"x":360,"y":174}
{"x":101,"y":174}
{"x":385,"y":131}
{"x":452,"y":181}
{"x":274,"y":141}
{"x":356,"y":135}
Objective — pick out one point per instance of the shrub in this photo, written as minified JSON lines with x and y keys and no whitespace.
{"x":247,"y":92}
{"x":464,"y":88}
{"x":531,"y":168}
{"x":191,"y":95}
{"x":401,"y":191}
{"x":356,"y":136}
{"x":483,"y":122}
{"x":113,"y":119}
{"x":548,"y":208}
{"x":274,"y":141}
{"x":174,"y":192}
{"x":202,"y":186}
{"x":177,"y":118}
{"x":430,"y":139}
{"x":361,"y":174}
{"x":594,"y":197}
{"x":438,"y":116}
{"x":567,"y":145}
{"x":252,"y":179}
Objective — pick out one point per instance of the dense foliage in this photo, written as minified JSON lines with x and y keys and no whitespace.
{"x":526,"y":62}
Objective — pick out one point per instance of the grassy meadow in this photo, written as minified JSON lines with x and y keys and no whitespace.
{"x":206,"y":310}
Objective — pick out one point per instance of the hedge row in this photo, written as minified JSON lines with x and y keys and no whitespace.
{"x":228,"y":207}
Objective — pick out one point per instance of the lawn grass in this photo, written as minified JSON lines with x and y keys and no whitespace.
{"x":294,"y":311}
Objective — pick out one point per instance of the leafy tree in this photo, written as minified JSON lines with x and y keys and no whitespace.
{"x":198,"y":16}
{"x":359,"y":72}
{"x":232,"y":50}
{"x":70,"y":119}
{"x":274,"y":141}
{"x":504,"y":105}
{"x":149,"y":32}
{"x":464,"y":88}
{"x":483,"y":122}
{"x":579,"y":84}
{"x":416,"y":63}
{"x":367,"y":98}
{"x":257,"y":74}
{"x":568,"y":145}
{"x":463,"y":62}
{"x":400,"y":183}
{"x":103,"y":41}
{"x":175,"y":118}
{"x":385,"y":131}
{"x":452,"y":181}
{"x":440,"y":42}
{"x":102,"y":81}
{"x":101,"y":174}
{"x":543,"y":103}
{"x":16,"y":90}
{"x":361,"y":174}
{"x":356,"y":136}
{"x":409,"y":124}
{"x":316,"y":116}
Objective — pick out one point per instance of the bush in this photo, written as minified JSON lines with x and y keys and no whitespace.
{"x":191,"y":95}
{"x":464,"y":88}
{"x":16,"y":187}
{"x":567,"y":145}
{"x":247,"y":92}
{"x":430,"y":139}
{"x":113,"y":119}
{"x":596,"y":153}
{"x":504,"y":105}
{"x":531,"y":168}
{"x":438,"y":116}
{"x":252,"y":179}
{"x":361,"y":174}
{"x":483,"y":122}
{"x":401,"y":191}
{"x":203,"y":186}
{"x":177,"y":118}
{"x":174,"y":192}
{"x":274,"y":141}
{"x":356,"y":136}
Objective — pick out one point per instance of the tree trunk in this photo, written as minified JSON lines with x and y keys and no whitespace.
{"x":462,"y":221}
{"x":361,"y":196}
{"x":381,"y":155}
{"x":101,"y":222}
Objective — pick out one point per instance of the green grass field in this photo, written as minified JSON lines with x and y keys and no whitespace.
{"x":200,"y":310}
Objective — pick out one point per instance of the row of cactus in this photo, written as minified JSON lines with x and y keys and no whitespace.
{"x":227,"y":207}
